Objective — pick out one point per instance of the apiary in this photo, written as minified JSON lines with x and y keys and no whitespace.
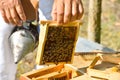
{"x":57,"y":42}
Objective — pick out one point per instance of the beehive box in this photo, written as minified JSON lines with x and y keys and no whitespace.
{"x":56,"y":72}
{"x":57,"y":42}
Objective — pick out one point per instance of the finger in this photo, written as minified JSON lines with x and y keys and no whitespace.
{"x":9,"y":17}
{"x":54,"y":11}
{"x":80,"y":10}
{"x":74,"y":10}
{"x":15,"y":16}
{"x":20,"y":11}
{"x":68,"y":11}
{"x":35,"y":3}
{"x":3,"y":15}
{"x":60,"y":11}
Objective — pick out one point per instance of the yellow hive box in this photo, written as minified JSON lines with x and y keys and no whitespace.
{"x":53,"y":72}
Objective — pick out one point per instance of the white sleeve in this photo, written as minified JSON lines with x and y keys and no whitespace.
{"x":45,"y":7}
{"x":6,"y":57}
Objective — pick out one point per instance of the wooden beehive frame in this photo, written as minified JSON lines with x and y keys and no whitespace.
{"x":107,"y":74}
{"x":53,"y":76}
{"x":106,"y":58}
{"x":65,"y":70}
{"x":44,"y":29}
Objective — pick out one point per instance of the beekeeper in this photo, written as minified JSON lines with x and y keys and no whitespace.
{"x":11,"y":14}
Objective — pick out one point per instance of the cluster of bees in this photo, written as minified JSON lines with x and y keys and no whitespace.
{"x":59,"y":44}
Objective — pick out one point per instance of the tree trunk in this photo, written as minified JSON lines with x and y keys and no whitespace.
{"x":94,"y":20}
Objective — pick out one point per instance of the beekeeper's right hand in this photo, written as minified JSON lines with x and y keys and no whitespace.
{"x":12,"y":11}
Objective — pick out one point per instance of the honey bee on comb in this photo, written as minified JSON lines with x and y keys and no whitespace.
{"x":57,"y":42}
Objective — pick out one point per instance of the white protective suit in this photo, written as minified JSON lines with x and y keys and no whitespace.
{"x":7,"y":66}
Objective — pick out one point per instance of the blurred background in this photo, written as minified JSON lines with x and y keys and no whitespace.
{"x":110,"y":23}
{"x":110,"y":31}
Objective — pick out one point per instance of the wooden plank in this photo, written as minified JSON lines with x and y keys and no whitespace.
{"x":94,"y":61}
{"x":43,"y":71}
{"x":114,"y":69}
{"x":109,"y":58}
{"x":97,"y":73}
{"x":75,"y":71}
{"x":39,"y":79}
{"x":54,"y":75}
{"x":103,"y":74}
{"x":53,"y":71}
{"x":62,"y":75}
{"x":51,"y":23}
{"x":83,"y":77}
{"x":97,"y":78}
{"x":46,"y":76}
{"x":23,"y":77}
{"x":105,"y":58}
{"x":114,"y":76}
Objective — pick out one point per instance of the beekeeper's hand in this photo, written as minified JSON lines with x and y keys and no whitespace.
{"x":67,"y":10}
{"x":12,"y":11}
{"x":35,"y":3}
